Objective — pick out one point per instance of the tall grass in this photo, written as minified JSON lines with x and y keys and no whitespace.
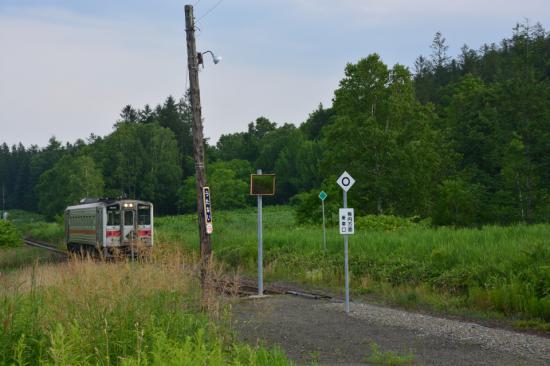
{"x":91,"y":313}
{"x":503,"y":270}
{"x":15,"y":258}
{"x":33,"y":225}
{"x":495,"y":269}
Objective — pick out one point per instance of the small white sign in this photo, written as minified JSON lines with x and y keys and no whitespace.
{"x":347,"y":221}
{"x":345,"y":181}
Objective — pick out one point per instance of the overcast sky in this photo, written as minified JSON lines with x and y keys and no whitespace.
{"x":67,"y":67}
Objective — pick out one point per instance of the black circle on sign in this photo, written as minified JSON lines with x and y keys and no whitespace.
{"x":346,"y":181}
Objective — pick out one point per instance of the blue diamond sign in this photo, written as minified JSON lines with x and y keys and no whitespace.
{"x":323,"y":195}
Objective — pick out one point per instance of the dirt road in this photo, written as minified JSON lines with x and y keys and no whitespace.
{"x":319,"y":331}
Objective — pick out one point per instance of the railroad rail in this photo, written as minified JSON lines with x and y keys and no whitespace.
{"x":245,"y":287}
{"x":39,"y":244}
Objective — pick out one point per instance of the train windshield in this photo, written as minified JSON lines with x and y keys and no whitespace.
{"x":144,"y":215}
{"x":113,"y":215}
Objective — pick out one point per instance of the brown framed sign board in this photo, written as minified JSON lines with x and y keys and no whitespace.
{"x":262,"y":184}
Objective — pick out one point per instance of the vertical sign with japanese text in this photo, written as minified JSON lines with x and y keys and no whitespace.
{"x":207,"y":210}
{"x":346,"y":219}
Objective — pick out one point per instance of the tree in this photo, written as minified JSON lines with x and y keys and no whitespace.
{"x":233,"y":146}
{"x":41,"y":161}
{"x":298,"y":167}
{"x":128,"y":115}
{"x":272,"y":143}
{"x":70,"y":179}
{"x":142,"y":161}
{"x":229,"y":186}
{"x":439,"y":47}
{"x":458,"y":203}
{"x":386,"y":140}
{"x":318,"y":119}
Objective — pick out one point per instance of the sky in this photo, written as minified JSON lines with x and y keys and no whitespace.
{"x":68,"y":67}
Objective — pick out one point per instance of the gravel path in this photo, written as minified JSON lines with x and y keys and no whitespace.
{"x":500,"y":340}
{"x":320,"y":331}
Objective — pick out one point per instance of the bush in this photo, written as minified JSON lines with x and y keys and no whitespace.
{"x":9,"y":236}
{"x":307,"y":206}
{"x":388,"y":222}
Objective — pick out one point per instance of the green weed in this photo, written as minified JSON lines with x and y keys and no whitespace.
{"x":496,"y":270}
{"x":490,"y":269}
{"x":92,"y":313}
{"x":388,"y":358}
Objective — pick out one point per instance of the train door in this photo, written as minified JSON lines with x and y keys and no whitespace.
{"x":99,"y":227}
{"x":129,"y":226}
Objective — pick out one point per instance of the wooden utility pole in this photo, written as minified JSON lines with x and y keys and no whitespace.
{"x":3,"y":204}
{"x":198,"y":141}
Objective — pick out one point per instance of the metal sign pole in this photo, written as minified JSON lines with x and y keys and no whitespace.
{"x":260,"y":246}
{"x":346,"y":270}
{"x":324,"y":228}
{"x":347,"y":225}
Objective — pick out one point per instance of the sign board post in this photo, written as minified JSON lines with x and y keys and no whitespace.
{"x":261,"y":185}
{"x":346,"y":224}
{"x":322,"y":197}
{"x":260,"y":244}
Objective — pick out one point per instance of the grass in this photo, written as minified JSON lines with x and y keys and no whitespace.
{"x":92,"y":313}
{"x":388,"y":358}
{"x":498,"y":270}
{"x":34,"y":225}
{"x":15,"y":258}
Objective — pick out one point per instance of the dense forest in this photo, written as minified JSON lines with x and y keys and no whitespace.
{"x":462,"y":141}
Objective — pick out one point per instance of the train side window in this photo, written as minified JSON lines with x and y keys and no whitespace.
{"x":128,"y":218}
{"x":113,"y":218}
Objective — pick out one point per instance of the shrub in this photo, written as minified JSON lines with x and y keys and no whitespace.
{"x":387,"y":222}
{"x":9,"y":236}
{"x":307,"y":206}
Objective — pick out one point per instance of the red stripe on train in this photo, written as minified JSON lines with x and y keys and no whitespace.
{"x":144,"y":232}
{"x":113,"y":233}
{"x":82,"y":231}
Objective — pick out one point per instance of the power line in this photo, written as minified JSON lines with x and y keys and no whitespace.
{"x":210,"y":10}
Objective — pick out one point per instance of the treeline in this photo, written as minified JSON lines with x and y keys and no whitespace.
{"x":462,"y":140}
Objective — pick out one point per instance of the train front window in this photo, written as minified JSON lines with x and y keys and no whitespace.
{"x":128,"y":218}
{"x":144,"y":215}
{"x":113,"y":218}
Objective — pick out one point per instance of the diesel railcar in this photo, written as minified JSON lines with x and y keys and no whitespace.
{"x":109,"y":226}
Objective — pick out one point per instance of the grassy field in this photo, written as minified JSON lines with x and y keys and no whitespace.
{"x":33,"y":225}
{"x":93,"y":313}
{"x":500,"y":270}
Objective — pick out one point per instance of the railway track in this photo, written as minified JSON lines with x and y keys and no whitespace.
{"x":244,"y":287}
{"x":248,"y":287}
{"x":39,"y":244}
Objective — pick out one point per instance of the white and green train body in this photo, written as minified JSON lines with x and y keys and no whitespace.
{"x":108,"y":225}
